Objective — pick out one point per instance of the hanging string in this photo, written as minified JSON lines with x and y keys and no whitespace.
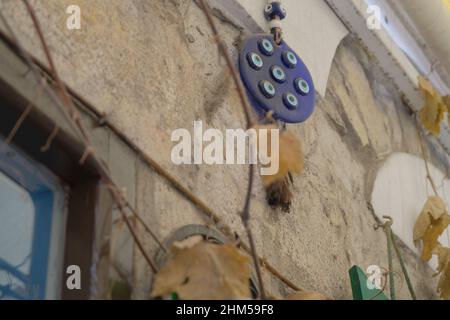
{"x":387,"y":226}
{"x":424,"y":156}
{"x":387,"y":229}
{"x":402,"y":265}
{"x":274,"y":13}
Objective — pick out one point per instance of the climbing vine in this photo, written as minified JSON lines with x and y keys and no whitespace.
{"x":61,"y":96}
{"x":434,"y":219}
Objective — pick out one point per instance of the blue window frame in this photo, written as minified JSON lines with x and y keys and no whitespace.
{"x":32,"y":225}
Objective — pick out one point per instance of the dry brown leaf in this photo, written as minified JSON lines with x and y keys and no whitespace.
{"x":290,"y":156}
{"x":307,"y":295}
{"x":434,"y":207}
{"x":444,"y":270}
{"x":430,"y":239}
{"x":426,"y":86}
{"x":430,"y":224}
{"x":205,"y":271}
{"x":446,"y":100}
{"x":432,"y":113}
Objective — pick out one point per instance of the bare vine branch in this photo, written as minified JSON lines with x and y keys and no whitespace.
{"x":38,"y":92}
{"x":245,"y":215}
{"x":74,"y":116}
{"x":425,"y":158}
{"x":235,"y":75}
{"x":37,"y":67}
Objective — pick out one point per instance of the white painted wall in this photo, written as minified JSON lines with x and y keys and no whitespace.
{"x":400,"y":191}
{"x":407,"y":39}
{"x":431,"y":20}
{"x":311,"y":28}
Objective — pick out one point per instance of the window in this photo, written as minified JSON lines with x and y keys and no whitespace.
{"x":53,"y":212}
{"x":32,"y":224}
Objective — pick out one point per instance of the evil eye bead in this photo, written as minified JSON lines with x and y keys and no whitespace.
{"x":289,"y":59}
{"x":266,"y":47}
{"x":278,"y":74}
{"x":275,"y":9}
{"x":290,"y":100}
{"x":267,"y":89}
{"x":302,"y":86}
{"x":255,"y":60}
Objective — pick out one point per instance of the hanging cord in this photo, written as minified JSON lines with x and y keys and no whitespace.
{"x":387,"y":229}
{"x":402,"y":265}
{"x":425,"y":157}
{"x":391,"y":243}
{"x":274,"y":13}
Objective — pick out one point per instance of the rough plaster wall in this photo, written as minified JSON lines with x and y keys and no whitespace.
{"x":152,"y":67}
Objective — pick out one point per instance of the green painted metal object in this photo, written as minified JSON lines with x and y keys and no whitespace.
{"x":360,"y":289}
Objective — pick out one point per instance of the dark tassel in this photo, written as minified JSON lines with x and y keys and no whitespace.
{"x":279,"y":195}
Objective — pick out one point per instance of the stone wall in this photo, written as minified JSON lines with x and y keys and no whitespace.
{"x":152,"y":67}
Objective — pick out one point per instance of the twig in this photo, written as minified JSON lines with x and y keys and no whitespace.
{"x":35,"y":71}
{"x":146,"y":159}
{"x":245,"y":215}
{"x":246,"y":221}
{"x":68,"y":103}
{"x":26,"y":112}
{"x":424,"y":155}
{"x":223,"y":49}
{"x":76,"y":119}
{"x":87,"y":152}
{"x":147,"y":228}
{"x":121,"y":205}
{"x":50,"y":139}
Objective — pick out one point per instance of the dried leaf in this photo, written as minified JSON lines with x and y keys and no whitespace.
{"x":205,"y":271}
{"x":444,"y":270}
{"x":306,"y":295}
{"x":290,"y":156}
{"x":430,"y":224}
{"x":446,"y":100}
{"x":426,"y":86}
{"x":430,"y":239}
{"x":432,"y":113}
{"x":434,"y":207}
